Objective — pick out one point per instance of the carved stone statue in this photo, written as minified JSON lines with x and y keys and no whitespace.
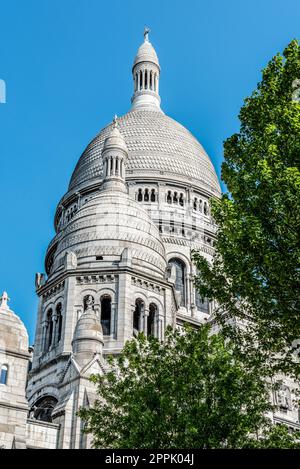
{"x":88,"y":303}
{"x":283,"y":397}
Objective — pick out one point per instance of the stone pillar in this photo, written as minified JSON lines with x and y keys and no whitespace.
{"x":113,"y":325}
{"x":146,"y":314}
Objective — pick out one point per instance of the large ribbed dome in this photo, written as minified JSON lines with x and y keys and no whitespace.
{"x":157,"y":146}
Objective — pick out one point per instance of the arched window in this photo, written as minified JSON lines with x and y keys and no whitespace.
{"x":106,"y":314}
{"x":175,"y":198}
{"x":59,"y":322}
{"x":180,"y":278}
{"x":49,"y":330}
{"x":205,"y":211}
{"x":200,"y":205}
{"x":151,"y":320}
{"x":140,"y":195}
{"x":152,"y":195}
{"x":138,"y":315}
{"x":146,"y":195}
{"x":169,"y":197}
{"x":195,"y":204}
{"x":3,"y":374}
{"x":43,"y":408}
{"x":181,"y":201}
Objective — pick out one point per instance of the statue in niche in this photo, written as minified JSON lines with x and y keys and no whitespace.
{"x":283,"y":397}
{"x":89,"y":303}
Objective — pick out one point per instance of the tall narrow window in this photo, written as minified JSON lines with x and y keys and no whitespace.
{"x":3,"y":374}
{"x":175,"y":198}
{"x":49,"y":333}
{"x":205,"y":208}
{"x":146,"y":195}
{"x":106,"y":314}
{"x":195,"y":204}
{"x":141,"y":80}
{"x":180,"y":278}
{"x":152,"y":195}
{"x":169,"y":197}
{"x":151,"y":320}
{"x":59,"y":322}
{"x":138,"y":314}
{"x":181,"y":201}
{"x":140,"y":195}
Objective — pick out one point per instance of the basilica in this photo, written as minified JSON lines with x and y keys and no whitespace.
{"x":137,"y":204}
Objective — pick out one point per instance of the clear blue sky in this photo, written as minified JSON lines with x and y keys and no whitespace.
{"x":67,"y":67}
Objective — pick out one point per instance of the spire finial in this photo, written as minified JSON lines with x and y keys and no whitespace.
{"x":3,"y":300}
{"x":115,"y":122}
{"x":146,"y":33}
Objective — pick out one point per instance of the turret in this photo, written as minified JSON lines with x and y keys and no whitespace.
{"x":114,"y":155}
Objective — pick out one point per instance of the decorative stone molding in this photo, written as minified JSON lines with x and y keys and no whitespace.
{"x":54,"y":291}
{"x":136,"y":281}
{"x":95,"y":279}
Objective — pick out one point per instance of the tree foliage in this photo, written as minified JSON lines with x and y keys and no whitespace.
{"x":191,"y":391}
{"x":255,"y":272}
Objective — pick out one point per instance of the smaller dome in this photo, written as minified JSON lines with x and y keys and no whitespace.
{"x":13,"y":333}
{"x":115,"y":139}
{"x":146,"y":53}
{"x":88,"y":335}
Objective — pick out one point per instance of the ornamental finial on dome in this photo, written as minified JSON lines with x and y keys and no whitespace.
{"x":146,"y":34}
{"x":115,"y":122}
{"x":4,"y":300}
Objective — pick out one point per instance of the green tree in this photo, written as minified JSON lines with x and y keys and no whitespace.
{"x":255,"y":272}
{"x":191,"y":391}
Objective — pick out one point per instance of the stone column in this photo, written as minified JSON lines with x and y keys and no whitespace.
{"x":113,"y":325}
{"x":139,"y":80}
{"x":146,"y":314}
{"x":54,"y":330}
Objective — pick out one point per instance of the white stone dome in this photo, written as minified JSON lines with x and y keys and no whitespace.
{"x":88,"y":332}
{"x":104,"y":227}
{"x":13,"y":333}
{"x":146,"y":53}
{"x":158,"y":146}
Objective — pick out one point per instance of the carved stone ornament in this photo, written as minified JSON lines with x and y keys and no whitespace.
{"x":283,"y":397}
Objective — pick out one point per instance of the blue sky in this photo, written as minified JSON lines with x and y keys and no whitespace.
{"x":67,"y":68}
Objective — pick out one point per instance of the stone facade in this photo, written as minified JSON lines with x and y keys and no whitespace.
{"x":137,"y":204}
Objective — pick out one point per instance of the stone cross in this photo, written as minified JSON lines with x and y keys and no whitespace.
{"x":4,"y":299}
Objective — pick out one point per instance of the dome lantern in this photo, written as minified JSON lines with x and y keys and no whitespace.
{"x":146,"y":72}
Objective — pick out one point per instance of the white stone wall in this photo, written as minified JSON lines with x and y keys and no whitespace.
{"x":41,"y":435}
